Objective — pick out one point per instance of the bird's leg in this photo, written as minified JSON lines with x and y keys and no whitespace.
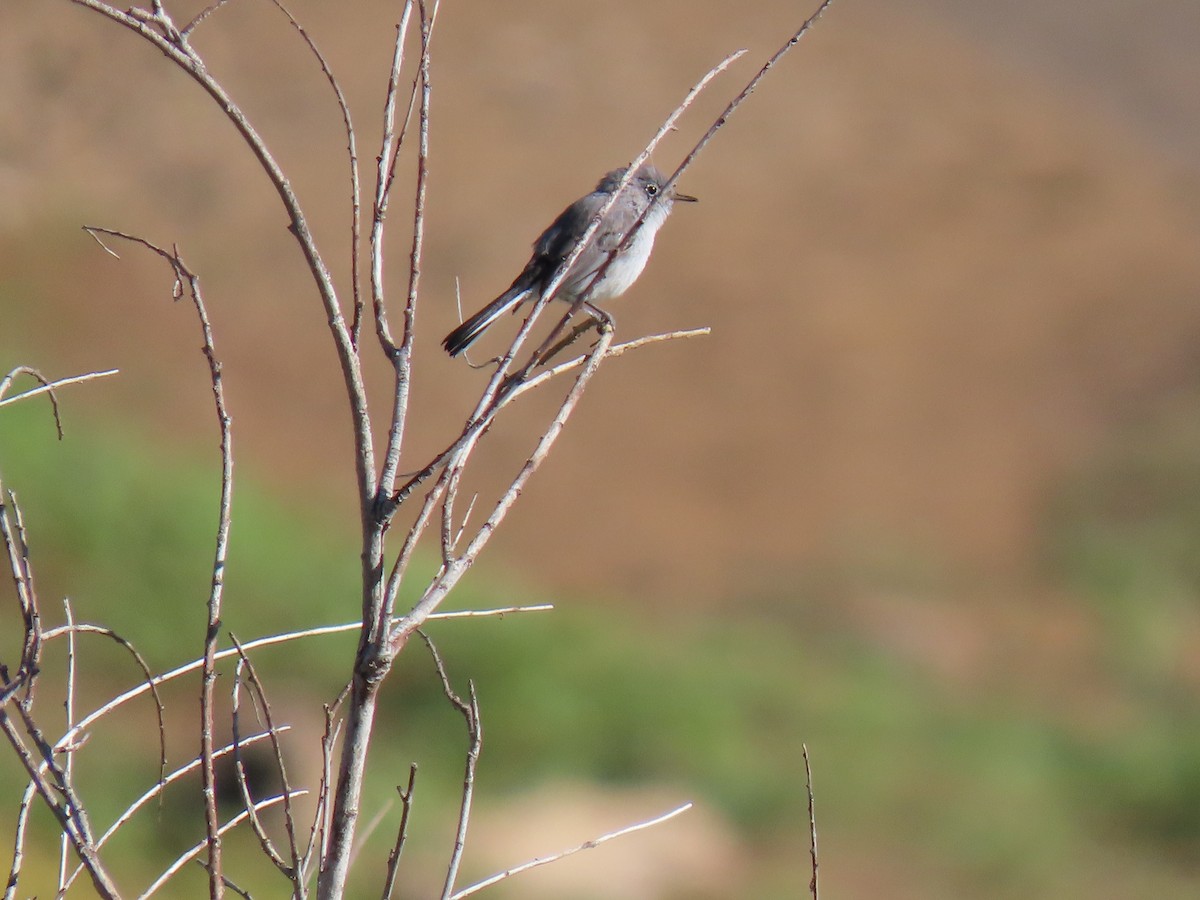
{"x":545,"y":355}
{"x":598,"y":318}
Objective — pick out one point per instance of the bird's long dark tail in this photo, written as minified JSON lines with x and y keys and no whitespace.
{"x":465,"y":334}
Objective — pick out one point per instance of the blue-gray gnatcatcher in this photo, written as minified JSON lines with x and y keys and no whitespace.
{"x":644,"y":192}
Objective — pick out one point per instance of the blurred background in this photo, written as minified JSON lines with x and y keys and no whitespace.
{"x":927,"y":499}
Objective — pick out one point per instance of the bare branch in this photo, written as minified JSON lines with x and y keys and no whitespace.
{"x":586,"y":845}
{"x":451,"y":573}
{"x":14,"y":871}
{"x":201,"y":16}
{"x":292,"y":871}
{"x":470,"y":712}
{"x":179,"y":671}
{"x":47,"y":387}
{"x":17,"y":548}
{"x":188,"y":283}
{"x":812,"y":822}
{"x":69,"y":753}
{"x":268,"y":848}
{"x":175,"y":47}
{"x":385,"y":169}
{"x":72,"y":732}
{"x":402,"y":357}
{"x":613,"y":352}
{"x":376,"y":651}
{"x":352,"y":157}
{"x":406,"y":800}
{"x":753,"y":83}
{"x":60,"y":798}
{"x":193,"y":852}
{"x":162,"y":784}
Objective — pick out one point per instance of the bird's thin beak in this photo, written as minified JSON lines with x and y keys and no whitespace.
{"x":686,"y":198}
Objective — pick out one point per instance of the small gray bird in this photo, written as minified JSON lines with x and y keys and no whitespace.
{"x":557,"y":242}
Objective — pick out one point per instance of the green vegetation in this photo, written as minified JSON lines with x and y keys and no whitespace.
{"x":1008,"y":799}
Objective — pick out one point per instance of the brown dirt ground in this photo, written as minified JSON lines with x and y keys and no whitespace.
{"x":936,"y":284}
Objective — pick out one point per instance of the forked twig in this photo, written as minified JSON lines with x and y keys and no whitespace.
{"x":73,"y":732}
{"x":192,"y":852}
{"x":271,"y":640}
{"x":292,"y":870}
{"x":50,"y":780}
{"x":264,"y":841}
{"x":156,"y":791}
{"x":58,"y":795}
{"x":187,"y":283}
{"x":382,"y":634}
{"x":406,"y":800}
{"x":389,"y":152}
{"x":470,"y":712}
{"x":46,"y":387}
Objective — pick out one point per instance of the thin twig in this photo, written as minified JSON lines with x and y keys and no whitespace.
{"x":16,"y":547}
{"x":613,"y":352}
{"x":69,"y":753}
{"x":451,"y":573}
{"x":812,"y":822}
{"x":59,"y":797}
{"x":586,"y":845}
{"x":720,"y":121}
{"x":194,"y":851}
{"x":72,"y":733}
{"x":46,"y":387}
{"x":352,"y":158}
{"x":320,"y":826}
{"x":201,"y":16}
{"x":406,"y":800}
{"x":271,"y":640}
{"x":264,"y":841}
{"x":158,"y":789}
{"x":389,"y":150}
{"x":14,"y":871}
{"x":188,"y":283}
{"x":470,"y":712}
{"x":293,"y":871}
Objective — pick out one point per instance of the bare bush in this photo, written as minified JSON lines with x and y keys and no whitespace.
{"x":318,"y":855}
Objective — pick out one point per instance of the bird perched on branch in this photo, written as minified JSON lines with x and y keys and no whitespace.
{"x":644,"y":194}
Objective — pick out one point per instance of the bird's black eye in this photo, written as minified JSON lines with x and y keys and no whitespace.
{"x":651,"y":189}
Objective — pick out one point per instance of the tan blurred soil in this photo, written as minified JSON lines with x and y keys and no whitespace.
{"x":936,"y":284}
